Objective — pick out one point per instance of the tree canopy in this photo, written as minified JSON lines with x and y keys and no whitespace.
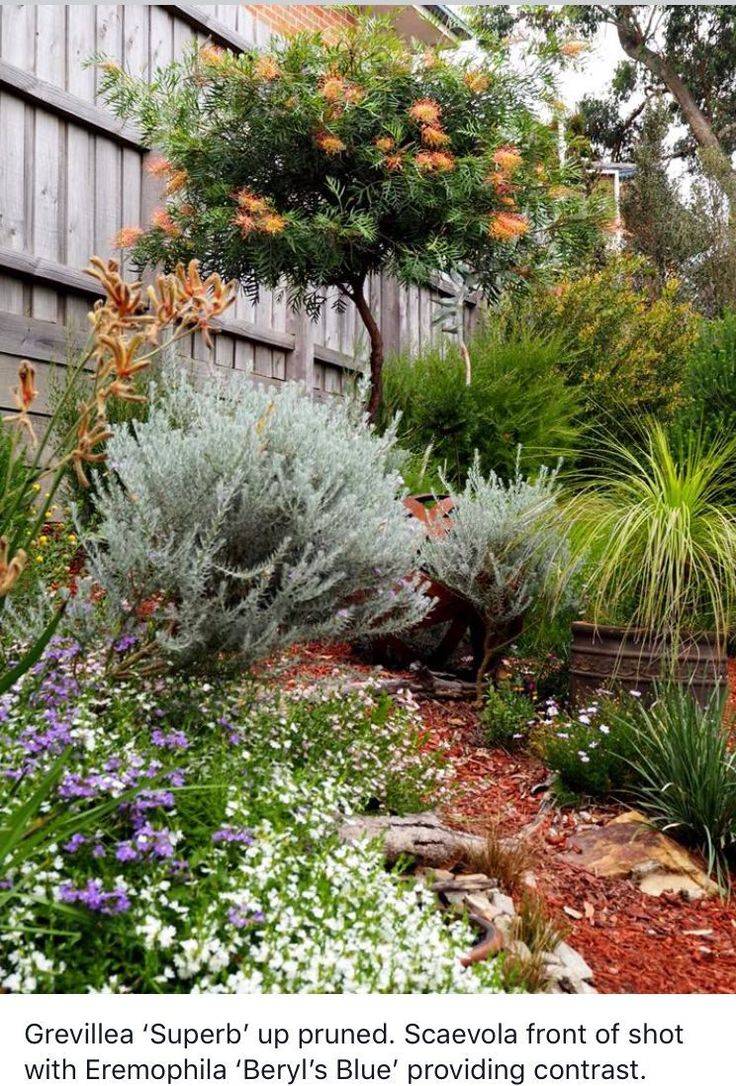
{"x":317,"y":163}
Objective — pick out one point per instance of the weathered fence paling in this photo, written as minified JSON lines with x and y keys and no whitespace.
{"x":72,"y":175}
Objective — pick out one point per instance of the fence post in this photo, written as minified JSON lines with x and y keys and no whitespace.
{"x":300,"y":365}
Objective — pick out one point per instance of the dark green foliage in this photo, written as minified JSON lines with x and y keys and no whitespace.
{"x":710,"y":381}
{"x":517,"y":397}
{"x":685,"y":773}
{"x":506,"y":718}
{"x":16,"y":482}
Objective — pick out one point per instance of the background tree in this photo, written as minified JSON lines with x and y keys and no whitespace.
{"x":685,"y":51}
{"x":316,"y":164}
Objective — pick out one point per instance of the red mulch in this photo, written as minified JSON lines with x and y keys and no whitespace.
{"x":632,"y":942}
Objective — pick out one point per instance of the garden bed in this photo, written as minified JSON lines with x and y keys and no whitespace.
{"x":632,"y":942}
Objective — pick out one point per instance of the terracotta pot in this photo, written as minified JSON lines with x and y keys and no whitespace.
{"x":609,"y":656}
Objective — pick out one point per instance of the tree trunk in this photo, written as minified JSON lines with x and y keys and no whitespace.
{"x":357,"y":294}
{"x":716,"y":162}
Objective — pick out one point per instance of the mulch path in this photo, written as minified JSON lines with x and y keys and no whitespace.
{"x":632,"y":942}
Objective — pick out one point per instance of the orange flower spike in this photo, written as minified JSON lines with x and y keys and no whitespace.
{"x":158,"y":166}
{"x":176,"y":182}
{"x":26,"y":391}
{"x":128,"y":237}
{"x":162,"y":220}
{"x":123,"y":354}
{"x":385,"y":143}
{"x":249,"y":201}
{"x":394,"y":162}
{"x":88,"y":438}
{"x":425,"y":111}
{"x":331,"y":145}
{"x":266,"y":69}
{"x":11,"y":570}
{"x":125,"y":298}
{"x":508,"y":159}
{"x":332,"y":88}
{"x":476,"y":82}
{"x":508,"y":225}
{"x":272,"y":223}
{"x":433,"y":136}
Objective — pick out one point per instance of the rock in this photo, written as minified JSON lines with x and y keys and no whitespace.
{"x":502,"y":903}
{"x":573,"y":962}
{"x":423,"y":835}
{"x":520,"y":950}
{"x":629,"y":847}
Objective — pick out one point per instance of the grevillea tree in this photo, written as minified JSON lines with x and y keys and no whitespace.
{"x":317,"y":163}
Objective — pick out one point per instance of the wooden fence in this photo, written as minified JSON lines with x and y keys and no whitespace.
{"x":71,"y":175}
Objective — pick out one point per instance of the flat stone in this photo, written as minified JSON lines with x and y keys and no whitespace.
{"x":503,"y":903}
{"x":573,"y":963}
{"x":629,"y":847}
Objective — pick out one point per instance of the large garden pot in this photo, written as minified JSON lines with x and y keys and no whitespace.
{"x":609,"y":656}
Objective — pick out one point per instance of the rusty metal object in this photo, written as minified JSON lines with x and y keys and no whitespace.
{"x":609,"y":656}
{"x":435,"y":514}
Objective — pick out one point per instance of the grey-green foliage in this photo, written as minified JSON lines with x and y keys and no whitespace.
{"x":506,"y":546}
{"x":261,"y":518}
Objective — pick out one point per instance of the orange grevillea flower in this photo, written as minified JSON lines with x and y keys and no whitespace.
{"x":559,"y":192}
{"x":158,"y":166}
{"x":272,"y":223}
{"x":385,"y":143}
{"x":127,"y":237}
{"x":477,"y":82}
{"x":508,"y":159}
{"x":434,"y":136}
{"x":331,"y":145}
{"x":573,"y":48}
{"x":177,"y":181}
{"x":211,"y":54}
{"x":425,"y":111}
{"x":332,"y":88}
{"x":435,"y":161}
{"x":394,"y":162}
{"x":267,"y":69}
{"x":507,"y":225}
{"x":246,"y":223}
{"x":161,"y":220}
{"x":250,"y":202}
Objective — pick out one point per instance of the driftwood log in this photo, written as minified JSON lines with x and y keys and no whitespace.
{"x":423,"y":836}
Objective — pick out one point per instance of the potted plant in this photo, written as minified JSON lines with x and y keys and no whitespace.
{"x":656,"y":525}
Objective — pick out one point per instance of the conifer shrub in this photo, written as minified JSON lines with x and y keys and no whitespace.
{"x":243,"y":520}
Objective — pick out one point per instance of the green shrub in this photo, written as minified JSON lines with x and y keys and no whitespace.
{"x":506,"y":718}
{"x":256,"y":519}
{"x":710,"y":380}
{"x":685,"y":773}
{"x":626,"y":344}
{"x":517,"y":397}
{"x":587,"y":750}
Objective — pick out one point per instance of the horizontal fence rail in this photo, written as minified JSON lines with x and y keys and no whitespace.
{"x":73,"y":174}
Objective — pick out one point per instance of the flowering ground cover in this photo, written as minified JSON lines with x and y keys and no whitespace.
{"x":633,"y":943}
{"x":218,"y":866}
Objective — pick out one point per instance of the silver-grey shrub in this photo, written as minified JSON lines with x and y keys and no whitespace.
{"x":259,"y":518}
{"x":506,"y":549}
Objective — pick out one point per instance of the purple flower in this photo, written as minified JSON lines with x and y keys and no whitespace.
{"x":75,"y":842}
{"x":127,"y":641}
{"x":231,"y":835}
{"x":125,"y":852}
{"x":175,"y":740}
{"x":244,"y":918}
{"x":94,"y":898}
